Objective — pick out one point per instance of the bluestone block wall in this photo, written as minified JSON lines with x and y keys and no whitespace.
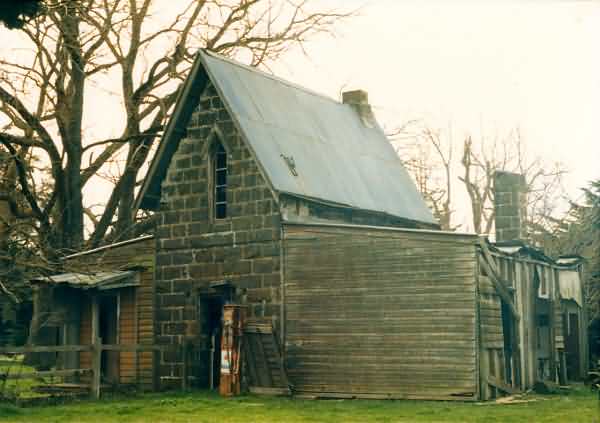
{"x":194,"y":250}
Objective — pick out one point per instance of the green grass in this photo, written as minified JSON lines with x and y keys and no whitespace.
{"x":16,"y":388}
{"x":580,"y":406}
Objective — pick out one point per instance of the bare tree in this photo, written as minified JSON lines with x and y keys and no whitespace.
{"x":478,"y":176}
{"x":429,"y":159}
{"x":76,"y":44}
{"x":428,"y":155}
{"x":544,"y":181}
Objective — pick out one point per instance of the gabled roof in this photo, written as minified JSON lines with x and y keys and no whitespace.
{"x":336,"y":157}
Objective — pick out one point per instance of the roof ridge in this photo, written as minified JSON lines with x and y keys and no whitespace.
{"x":270,"y":76}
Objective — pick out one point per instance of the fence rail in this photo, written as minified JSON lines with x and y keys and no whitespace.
{"x":41,"y":349}
{"x":44,"y":373}
{"x":96,"y":349}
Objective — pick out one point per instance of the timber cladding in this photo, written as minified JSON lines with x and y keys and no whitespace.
{"x":376,"y":311}
{"x":136,"y":307}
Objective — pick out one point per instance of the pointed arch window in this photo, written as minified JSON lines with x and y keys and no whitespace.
{"x":219,"y":165}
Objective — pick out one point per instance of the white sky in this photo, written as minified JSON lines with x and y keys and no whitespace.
{"x":532,"y":64}
{"x":478,"y":66}
{"x":488,"y":66}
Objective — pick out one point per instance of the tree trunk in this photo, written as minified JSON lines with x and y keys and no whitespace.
{"x":73,"y":211}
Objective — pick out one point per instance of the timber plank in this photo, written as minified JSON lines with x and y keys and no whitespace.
{"x":402,"y":313}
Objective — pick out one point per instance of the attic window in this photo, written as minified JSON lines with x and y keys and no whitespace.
{"x":220,"y":181}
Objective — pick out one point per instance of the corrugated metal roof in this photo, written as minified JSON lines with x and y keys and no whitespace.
{"x":510,"y":249}
{"x":100,"y":280}
{"x":337,"y":158}
{"x":519,"y":248}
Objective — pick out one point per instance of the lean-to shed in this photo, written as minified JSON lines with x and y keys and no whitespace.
{"x":118,"y":280}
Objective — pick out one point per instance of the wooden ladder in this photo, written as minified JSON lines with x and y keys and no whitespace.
{"x":264,"y":361}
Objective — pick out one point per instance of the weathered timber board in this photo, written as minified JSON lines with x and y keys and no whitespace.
{"x":490,"y":315}
{"x":136,"y":314}
{"x":370,"y":312}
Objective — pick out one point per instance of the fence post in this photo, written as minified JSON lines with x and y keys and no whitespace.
{"x":184,"y":374}
{"x":96,"y":349}
{"x":96,"y":367}
{"x":138,"y":385}
{"x":562,"y":376}
{"x":156,"y":356}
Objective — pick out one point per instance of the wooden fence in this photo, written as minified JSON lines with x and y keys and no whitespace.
{"x":96,"y":349}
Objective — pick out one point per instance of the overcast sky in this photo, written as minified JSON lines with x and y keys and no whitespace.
{"x":488,"y":66}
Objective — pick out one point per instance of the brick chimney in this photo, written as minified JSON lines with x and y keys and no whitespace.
{"x":359,"y":101}
{"x":510,"y":200}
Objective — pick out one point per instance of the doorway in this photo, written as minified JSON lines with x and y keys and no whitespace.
{"x":511,"y":366}
{"x":543,"y":340}
{"x":571,"y":325}
{"x":109,"y":333}
{"x":210,"y":314}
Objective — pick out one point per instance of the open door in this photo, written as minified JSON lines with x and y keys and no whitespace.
{"x":210,"y":314}
{"x":572,"y":346}
{"x":109,"y":332}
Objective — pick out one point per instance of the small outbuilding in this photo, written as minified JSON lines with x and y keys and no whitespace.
{"x":112,"y":288}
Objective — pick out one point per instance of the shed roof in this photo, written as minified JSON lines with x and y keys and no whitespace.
{"x":100,"y":280}
{"x":337,"y":158}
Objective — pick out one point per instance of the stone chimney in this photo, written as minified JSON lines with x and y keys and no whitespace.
{"x":510,"y":206}
{"x":359,"y":101}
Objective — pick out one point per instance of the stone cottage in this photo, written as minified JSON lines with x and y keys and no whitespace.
{"x":244,"y":152}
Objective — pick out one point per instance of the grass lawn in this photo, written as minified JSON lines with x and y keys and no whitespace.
{"x":580,"y":406}
{"x":15,"y":388}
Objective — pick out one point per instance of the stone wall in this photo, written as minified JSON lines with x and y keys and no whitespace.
{"x":509,"y":206}
{"x":194,"y":249}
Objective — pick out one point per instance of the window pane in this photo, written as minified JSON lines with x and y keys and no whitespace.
{"x":221,"y":195}
{"x":221,"y":177}
{"x":221,"y":160}
{"x":221,"y":211}
{"x":220,"y":182}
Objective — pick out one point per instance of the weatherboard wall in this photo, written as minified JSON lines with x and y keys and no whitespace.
{"x":136,"y":308}
{"x":380,"y":312}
